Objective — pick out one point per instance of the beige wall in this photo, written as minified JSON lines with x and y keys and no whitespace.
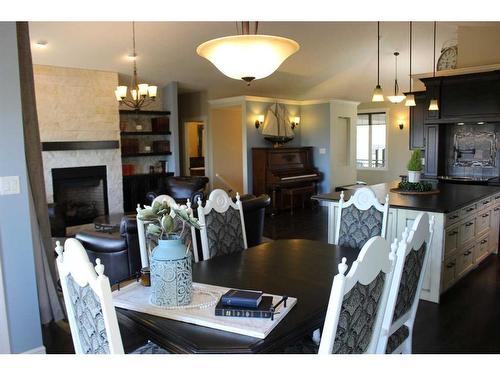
{"x":226,"y":135}
{"x":478,"y":46}
{"x":76,"y":104}
{"x":398,"y":152}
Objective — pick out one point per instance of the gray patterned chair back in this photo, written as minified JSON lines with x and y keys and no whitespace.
{"x":224,"y":232}
{"x":88,"y":317}
{"x":357,"y":317}
{"x":408,"y":286}
{"x":358,"y":226}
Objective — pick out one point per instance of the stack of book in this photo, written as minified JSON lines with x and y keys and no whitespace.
{"x":245,"y":303}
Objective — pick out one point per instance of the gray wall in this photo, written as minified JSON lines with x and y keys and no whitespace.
{"x":16,"y":246}
{"x":315,"y":132}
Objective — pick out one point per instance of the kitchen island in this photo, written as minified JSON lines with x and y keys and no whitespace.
{"x":466,"y":227}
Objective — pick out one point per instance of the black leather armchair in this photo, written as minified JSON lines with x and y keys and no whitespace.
{"x":181,"y":188}
{"x":254,"y":210}
{"x":119,"y":252}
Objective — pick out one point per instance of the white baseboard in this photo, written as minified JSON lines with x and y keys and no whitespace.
{"x":38,"y":350}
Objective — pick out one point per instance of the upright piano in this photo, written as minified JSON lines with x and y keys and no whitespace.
{"x":275,"y":169}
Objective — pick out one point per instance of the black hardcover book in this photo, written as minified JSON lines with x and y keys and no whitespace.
{"x":264,"y":310}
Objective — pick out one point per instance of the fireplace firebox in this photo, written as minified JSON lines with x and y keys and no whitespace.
{"x":80,"y":194}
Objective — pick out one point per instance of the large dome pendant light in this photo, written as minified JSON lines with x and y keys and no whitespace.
{"x":378,"y":94}
{"x":410,"y":98}
{"x":433,"y":104}
{"x":398,"y":97}
{"x":248,"y":56}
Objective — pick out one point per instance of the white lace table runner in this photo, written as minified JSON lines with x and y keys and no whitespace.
{"x":202,"y":309}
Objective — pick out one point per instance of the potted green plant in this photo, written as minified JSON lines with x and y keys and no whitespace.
{"x":170,"y":260}
{"x":414,"y":166}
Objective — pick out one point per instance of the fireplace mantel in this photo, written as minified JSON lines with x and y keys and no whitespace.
{"x":79,"y":145}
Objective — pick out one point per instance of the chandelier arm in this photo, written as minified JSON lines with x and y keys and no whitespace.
{"x":378,"y":53}
{"x":411,"y":24}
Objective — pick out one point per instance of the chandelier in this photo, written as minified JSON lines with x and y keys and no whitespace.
{"x":141,"y":94}
{"x":398,"y":97}
{"x":248,"y":56}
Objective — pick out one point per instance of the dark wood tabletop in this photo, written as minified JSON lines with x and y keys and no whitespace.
{"x":302,"y":269}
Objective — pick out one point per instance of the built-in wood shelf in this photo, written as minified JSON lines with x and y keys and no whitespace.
{"x":146,"y":133}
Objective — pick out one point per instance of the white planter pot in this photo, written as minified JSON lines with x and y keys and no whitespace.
{"x":414,"y":176}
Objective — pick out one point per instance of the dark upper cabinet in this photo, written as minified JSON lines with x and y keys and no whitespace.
{"x":417,"y":120}
{"x":474,"y":97}
{"x":434,"y":141}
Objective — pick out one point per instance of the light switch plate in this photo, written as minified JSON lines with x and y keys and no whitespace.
{"x":9,"y":185}
{"x":322,"y":151}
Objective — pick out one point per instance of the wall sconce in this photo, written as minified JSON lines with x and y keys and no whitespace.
{"x":295,"y":122}
{"x":401,"y":125}
{"x":259,"y":121}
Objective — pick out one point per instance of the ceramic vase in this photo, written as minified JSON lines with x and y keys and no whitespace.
{"x":414,"y":176}
{"x":171,"y":274}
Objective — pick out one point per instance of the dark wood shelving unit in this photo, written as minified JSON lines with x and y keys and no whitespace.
{"x":146,"y":154}
{"x":146,"y":133}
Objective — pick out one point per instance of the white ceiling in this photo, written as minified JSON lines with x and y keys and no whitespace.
{"x":336,"y":59}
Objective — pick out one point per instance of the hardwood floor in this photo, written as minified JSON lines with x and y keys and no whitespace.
{"x":466,"y":320}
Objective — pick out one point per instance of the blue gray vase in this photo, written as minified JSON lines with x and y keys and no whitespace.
{"x":171,"y":276}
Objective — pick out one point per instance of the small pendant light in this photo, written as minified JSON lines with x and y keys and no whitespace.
{"x":398,"y":97}
{"x":433,"y":105}
{"x":378,"y":94}
{"x":410,"y":98}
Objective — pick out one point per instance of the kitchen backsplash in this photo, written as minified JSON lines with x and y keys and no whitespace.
{"x":472,"y":150}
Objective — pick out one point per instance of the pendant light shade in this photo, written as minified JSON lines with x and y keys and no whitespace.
{"x":410,"y":98}
{"x":433,"y":104}
{"x":398,"y":97}
{"x":378,"y":94}
{"x":248,"y":57}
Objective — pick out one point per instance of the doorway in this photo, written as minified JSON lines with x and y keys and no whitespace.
{"x":194,"y":148}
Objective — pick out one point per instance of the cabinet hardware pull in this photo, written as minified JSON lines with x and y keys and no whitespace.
{"x":453,"y":217}
{"x":498,"y":197}
{"x":449,"y":265}
{"x":470,"y":209}
{"x":485,"y":215}
{"x":453,"y":233}
{"x":483,"y":242}
{"x":468,"y":252}
{"x":486,"y":202}
{"x":469,"y":224}
{"x":497,"y":209}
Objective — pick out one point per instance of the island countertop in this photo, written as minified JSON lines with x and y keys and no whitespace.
{"x":451,"y":197}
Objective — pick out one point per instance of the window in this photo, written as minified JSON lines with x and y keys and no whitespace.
{"x":371,"y":141}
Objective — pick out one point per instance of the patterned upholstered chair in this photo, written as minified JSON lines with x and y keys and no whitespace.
{"x":360,"y":218}
{"x":188,"y":238}
{"x":358,"y":301}
{"x":89,"y":305}
{"x":412,"y":257}
{"x":222,"y":225}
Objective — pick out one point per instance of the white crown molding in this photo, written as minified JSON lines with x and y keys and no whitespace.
{"x":459,"y":71}
{"x":237,"y":100}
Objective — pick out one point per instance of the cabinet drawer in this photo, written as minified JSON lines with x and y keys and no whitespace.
{"x":450,"y":240}
{"x":452,"y":218}
{"x":483,"y":221}
{"x":484,"y":203}
{"x":466,"y":230}
{"x":482,"y":248}
{"x":496,"y":199}
{"x":467,"y":211}
{"x":449,"y":272}
{"x":465,"y":261}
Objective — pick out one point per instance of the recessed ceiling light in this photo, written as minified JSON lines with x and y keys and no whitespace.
{"x":132,"y":56}
{"x":460,"y":123}
{"x":480,"y":123}
{"x":41,"y":44}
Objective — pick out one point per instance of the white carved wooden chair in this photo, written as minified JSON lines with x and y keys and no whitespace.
{"x":358,"y":301}
{"x":222,"y":225}
{"x":360,"y":218}
{"x":89,"y":305}
{"x":413,"y":253}
{"x":141,"y":231}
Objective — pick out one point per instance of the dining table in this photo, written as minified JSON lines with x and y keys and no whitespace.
{"x":298,"y":268}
